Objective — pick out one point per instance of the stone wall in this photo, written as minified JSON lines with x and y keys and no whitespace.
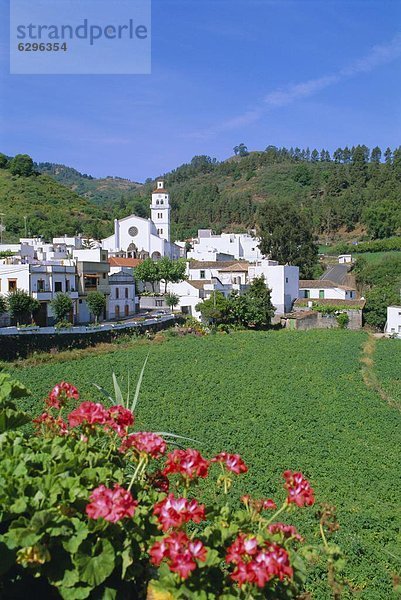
{"x":23,"y":344}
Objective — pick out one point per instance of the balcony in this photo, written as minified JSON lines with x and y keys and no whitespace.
{"x":43,"y":295}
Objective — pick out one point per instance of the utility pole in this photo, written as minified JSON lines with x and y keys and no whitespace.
{"x":25,"y":218}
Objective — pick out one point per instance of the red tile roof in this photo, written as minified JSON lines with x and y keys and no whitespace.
{"x":114,"y":261}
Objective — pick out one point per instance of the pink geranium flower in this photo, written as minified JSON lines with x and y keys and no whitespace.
{"x":180,"y":552}
{"x":232,"y":462}
{"x":287,"y":531}
{"x":174,"y":512}
{"x":120,"y":419}
{"x":54,"y":425}
{"x":111,"y":504}
{"x":60,"y":394}
{"x":299,"y":489}
{"x":257,"y":563}
{"x":147,"y":442}
{"x":89,"y":413}
{"x":189,"y":463}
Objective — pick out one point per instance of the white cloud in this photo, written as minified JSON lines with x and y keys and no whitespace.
{"x":378,"y":55}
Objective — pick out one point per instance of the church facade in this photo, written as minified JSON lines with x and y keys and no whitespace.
{"x":135,"y":237}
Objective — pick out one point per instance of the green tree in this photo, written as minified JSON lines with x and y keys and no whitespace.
{"x":3,"y":161}
{"x":21,"y":305}
{"x":216,"y":309}
{"x":148,"y":272}
{"x":21,"y":164}
{"x":377,"y":301}
{"x":171,"y":271}
{"x":96,"y":302}
{"x":3,"y":305}
{"x":254,"y":309}
{"x":382,"y":219}
{"x":172,"y":300}
{"x":241,"y":150}
{"x":286,"y":235}
{"x":62,"y":306}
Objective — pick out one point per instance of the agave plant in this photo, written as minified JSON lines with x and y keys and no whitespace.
{"x":119,"y":396}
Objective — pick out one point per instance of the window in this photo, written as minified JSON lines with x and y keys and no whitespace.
{"x":40,"y":285}
{"x":286,"y":279}
{"x":58,"y":286}
{"x":306,"y":294}
{"x":159,"y":303}
{"x":67,"y":285}
{"x":321,"y":294}
{"x":202,"y":275}
{"x":117,"y":293}
{"x":117,"y":311}
{"x":12,"y":285}
{"x":161,"y":202}
{"x":126,"y":293}
{"x":104,"y":275}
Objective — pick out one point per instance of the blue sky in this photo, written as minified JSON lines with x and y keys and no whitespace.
{"x":317,"y":73}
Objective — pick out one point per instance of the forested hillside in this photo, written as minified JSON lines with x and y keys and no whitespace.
{"x":352,"y":194}
{"x":100,"y":191}
{"x":50,"y":208}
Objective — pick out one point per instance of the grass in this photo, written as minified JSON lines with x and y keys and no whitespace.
{"x":293,"y":400}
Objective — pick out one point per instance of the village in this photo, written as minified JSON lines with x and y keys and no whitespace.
{"x":215,"y":264}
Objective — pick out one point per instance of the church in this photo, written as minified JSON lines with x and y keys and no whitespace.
{"x":135,"y":237}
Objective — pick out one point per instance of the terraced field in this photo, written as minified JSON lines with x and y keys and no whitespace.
{"x":292,"y":400}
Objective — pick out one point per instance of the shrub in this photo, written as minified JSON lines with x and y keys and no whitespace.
{"x":91,"y":508}
{"x":342,"y":319}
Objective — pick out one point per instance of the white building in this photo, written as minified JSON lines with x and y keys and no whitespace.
{"x":283,"y":281}
{"x":42,"y":282}
{"x":324,"y":289}
{"x":393,"y":323}
{"x":240,"y":246}
{"x":122,"y":299}
{"x":345,"y":259}
{"x":207,"y":277}
{"x":135,"y":237}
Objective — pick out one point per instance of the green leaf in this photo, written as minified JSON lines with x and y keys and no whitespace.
{"x":95,"y":562}
{"x":117,"y":391}
{"x":75,"y":593}
{"x":138,"y":385}
{"x":81,"y":533}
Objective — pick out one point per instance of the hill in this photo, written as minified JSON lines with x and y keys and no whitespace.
{"x":313,"y":412}
{"x":100,"y":191}
{"x":51,"y":208}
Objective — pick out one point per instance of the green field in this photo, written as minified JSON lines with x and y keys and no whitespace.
{"x":292,"y":400}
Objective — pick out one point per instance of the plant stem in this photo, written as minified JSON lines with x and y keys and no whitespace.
{"x":278,"y":512}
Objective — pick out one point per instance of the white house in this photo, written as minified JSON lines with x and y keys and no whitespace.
{"x":344,"y":259}
{"x":193,"y":291}
{"x":283,"y":281}
{"x":316,"y":289}
{"x":241,"y":246}
{"x":135,"y":237}
{"x":42,"y":282}
{"x":122,"y":299}
{"x":393,"y":323}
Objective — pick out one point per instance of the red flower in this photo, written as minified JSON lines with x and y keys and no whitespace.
{"x":60,"y":394}
{"x":286,"y":530}
{"x":89,"y":413}
{"x":174,"y":512}
{"x":150,"y":443}
{"x":257,"y":563}
{"x":189,"y":463}
{"x":232,"y":462}
{"x":52,"y":424}
{"x":111,"y":505}
{"x":269,"y":504}
{"x":181,"y":553}
{"x":299,"y":489}
{"x":120,"y":419}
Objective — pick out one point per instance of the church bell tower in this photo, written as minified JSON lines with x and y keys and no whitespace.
{"x":160,"y":210}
